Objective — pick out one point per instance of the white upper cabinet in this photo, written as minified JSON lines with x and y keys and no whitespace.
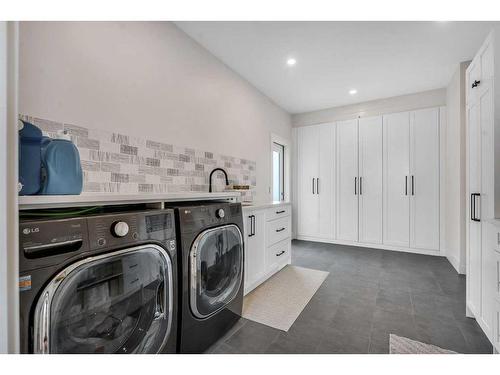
{"x":370,"y":180}
{"x":396,"y":154}
{"x":424,"y":179}
{"x":347,"y":180}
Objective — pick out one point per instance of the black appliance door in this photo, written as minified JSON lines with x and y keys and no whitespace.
{"x":119,"y":302}
{"x":216,"y":269}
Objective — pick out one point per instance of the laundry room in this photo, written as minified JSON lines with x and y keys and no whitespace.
{"x":220,"y":187}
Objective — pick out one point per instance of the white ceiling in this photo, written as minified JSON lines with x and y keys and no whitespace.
{"x":379,"y":59}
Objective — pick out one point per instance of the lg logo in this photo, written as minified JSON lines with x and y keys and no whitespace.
{"x":31,"y":230}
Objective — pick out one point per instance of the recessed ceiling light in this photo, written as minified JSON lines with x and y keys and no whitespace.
{"x":353,"y":92}
{"x":291,"y":61}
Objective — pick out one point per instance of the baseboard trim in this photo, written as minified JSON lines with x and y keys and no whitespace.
{"x":456,"y":264}
{"x":371,"y":245}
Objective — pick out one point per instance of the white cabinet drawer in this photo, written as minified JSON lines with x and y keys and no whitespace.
{"x":278,"y":255}
{"x":278,"y":212}
{"x":278,"y":230}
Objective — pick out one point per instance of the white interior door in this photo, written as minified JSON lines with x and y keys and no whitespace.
{"x":325,"y":182}
{"x":474,"y":246}
{"x":370,"y":180}
{"x":396,"y":214}
{"x":308,"y":156}
{"x":347,"y":180}
{"x":424,"y":179}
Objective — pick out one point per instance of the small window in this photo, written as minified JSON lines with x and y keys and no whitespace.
{"x":278,"y":172}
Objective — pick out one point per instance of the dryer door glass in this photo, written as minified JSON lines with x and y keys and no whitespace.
{"x":216,"y":268}
{"x":114,"y":303}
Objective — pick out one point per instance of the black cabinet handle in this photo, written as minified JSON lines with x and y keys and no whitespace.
{"x":280,"y":230}
{"x":406,"y":185}
{"x":475,"y":84}
{"x":361,"y":186}
{"x":317,"y":185}
{"x":355,"y":186}
{"x":252,"y":225}
{"x":313,"y":185}
{"x":280,"y":212}
{"x":473,"y":206}
{"x":412,"y":185}
{"x":280,"y":253}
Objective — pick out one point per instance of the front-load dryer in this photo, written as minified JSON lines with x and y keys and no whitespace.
{"x":103,"y":283}
{"x":210,"y":242}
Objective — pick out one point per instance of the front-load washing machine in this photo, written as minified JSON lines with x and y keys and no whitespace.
{"x":210,"y":243}
{"x":103,"y":283}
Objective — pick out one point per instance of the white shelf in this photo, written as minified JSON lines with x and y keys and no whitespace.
{"x":107,"y":199}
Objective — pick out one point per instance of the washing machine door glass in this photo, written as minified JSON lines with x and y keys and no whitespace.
{"x":119,"y":302}
{"x":216,"y":269}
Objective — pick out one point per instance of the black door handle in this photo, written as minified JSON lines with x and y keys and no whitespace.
{"x":361,"y":186}
{"x":355,"y":186}
{"x":406,"y":185}
{"x":475,"y":84}
{"x":317,"y":185}
{"x":280,"y":230}
{"x":280,"y":212}
{"x":313,"y":185}
{"x":412,"y":185}
{"x":280,"y":253}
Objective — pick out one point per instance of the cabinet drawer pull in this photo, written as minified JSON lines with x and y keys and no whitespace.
{"x":280,"y":212}
{"x":475,"y":84}
{"x":280,"y":253}
{"x":280,"y":230}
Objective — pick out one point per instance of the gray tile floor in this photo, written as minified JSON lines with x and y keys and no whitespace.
{"x":368,"y":294}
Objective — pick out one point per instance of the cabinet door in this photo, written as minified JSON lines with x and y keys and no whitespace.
{"x":474,"y":240}
{"x":347,"y":180}
{"x":370,"y":180}
{"x":396,"y":212}
{"x":423,"y":184}
{"x":325,"y":182}
{"x":308,"y":156}
{"x":255,"y":248}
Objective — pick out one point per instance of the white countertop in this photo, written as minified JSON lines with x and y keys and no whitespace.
{"x":262,"y":205}
{"x":101,"y":199}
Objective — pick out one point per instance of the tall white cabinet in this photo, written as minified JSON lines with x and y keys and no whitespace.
{"x":396,"y":210}
{"x":483,"y":175}
{"x":371,"y":181}
{"x":347,"y":187}
{"x":315,"y":156}
{"x":424,"y":179}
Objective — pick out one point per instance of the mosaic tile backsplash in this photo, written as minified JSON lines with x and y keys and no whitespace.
{"x":119,"y":163}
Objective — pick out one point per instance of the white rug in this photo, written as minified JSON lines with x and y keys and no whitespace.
{"x":280,"y":300}
{"x":403,"y":345}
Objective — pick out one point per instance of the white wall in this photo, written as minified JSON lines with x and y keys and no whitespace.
{"x":146,"y":79}
{"x":455,"y":188}
{"x":432,"y":98}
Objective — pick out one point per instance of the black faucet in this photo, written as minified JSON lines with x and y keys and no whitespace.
{"x":210,"y":178}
